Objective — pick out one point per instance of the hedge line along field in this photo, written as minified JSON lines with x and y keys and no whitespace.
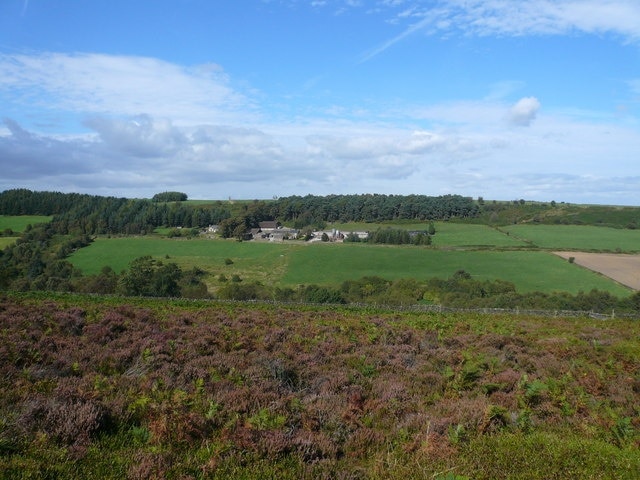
{"x":578,"y":237}
{"x":109,"y":388}
{"x":295,"y":263}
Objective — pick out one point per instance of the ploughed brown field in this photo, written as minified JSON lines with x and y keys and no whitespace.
{"x":622,"y":268}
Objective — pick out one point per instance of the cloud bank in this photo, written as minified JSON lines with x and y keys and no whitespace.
{"x":211,"y":140}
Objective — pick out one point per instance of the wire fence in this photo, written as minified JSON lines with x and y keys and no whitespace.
{"x":444,"y":309}
{"x":416,"y":308}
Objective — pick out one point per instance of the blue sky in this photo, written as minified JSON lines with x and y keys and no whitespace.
{"x":504,"y":99}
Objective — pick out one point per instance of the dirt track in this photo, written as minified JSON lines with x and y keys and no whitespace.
{"x":624,"y":269}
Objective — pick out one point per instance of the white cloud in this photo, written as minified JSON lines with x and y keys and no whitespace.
{"x":123,"y":85}
{"x":524,"y":111}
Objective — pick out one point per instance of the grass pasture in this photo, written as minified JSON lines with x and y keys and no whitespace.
{"x":448,"y":234}
{"x":578,"y":237}
{"x":18,"y":223}
{"x":528,"y":270}
{"x":251,"y":260}
{"x":471,"y":235}
{"x":291,"y":264}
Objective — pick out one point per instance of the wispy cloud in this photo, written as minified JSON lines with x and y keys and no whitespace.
{"x":389,"y":43}
{"x":517,"y":18}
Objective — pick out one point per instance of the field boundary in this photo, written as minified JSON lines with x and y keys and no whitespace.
{"x":487,"y":311}
{"x":371,"y":307}
{"x":391,"y":308}
{"x":620,"y":267}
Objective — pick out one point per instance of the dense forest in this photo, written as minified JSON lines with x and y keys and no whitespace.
{"x":372,"y":208}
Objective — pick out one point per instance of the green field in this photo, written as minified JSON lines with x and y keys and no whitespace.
{"x":6,"y":241}
{"x":18,"y":223}
{"x":294,"y":263}
{"x":578,"y":237}
{"x":470,"y":235}
{"x":447,"y":234}
{"x":528,"y":270}
{"x":256,"y":261}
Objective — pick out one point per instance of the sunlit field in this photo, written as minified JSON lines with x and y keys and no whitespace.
{"x":6,"y":241}
{"x":528,"y":270}
{"x":578,"y":237}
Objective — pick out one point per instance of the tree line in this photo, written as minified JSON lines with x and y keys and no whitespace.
{"x":75,"y":213}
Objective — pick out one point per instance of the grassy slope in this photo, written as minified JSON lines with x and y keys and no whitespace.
{"x":257,"y":261}
{"x":448,"y":234}
{"x":6,"y":241}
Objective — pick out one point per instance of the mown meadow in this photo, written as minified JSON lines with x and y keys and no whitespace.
{"x":449,"y":234}
{"x":111,"y":388}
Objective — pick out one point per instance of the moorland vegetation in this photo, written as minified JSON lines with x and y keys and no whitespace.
{"x":107,"y":387}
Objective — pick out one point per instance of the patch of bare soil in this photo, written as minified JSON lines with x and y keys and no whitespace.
{"x":622,"y":268}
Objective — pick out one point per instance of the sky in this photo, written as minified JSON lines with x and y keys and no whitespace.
{"x":256,"y":99}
